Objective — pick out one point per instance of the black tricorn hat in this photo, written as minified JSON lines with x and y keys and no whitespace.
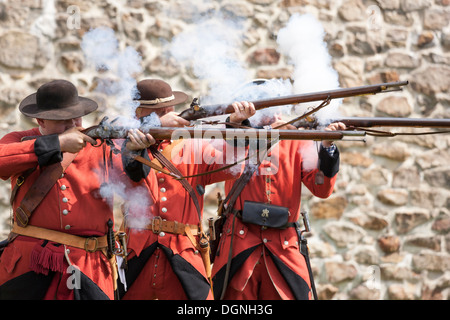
{"x":57,"y":100}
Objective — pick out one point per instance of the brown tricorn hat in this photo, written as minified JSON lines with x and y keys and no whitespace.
{"x":57,"y":100}
{"x":155,"y":93}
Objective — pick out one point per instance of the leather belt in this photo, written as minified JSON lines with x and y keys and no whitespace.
{"x":90,"y":244}
{"x":158,"y":225}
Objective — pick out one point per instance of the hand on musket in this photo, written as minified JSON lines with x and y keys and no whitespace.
{"x":139,"y":140}
{"x":242,"y":111}
{"x":333,"y":127}
{"x":282,"y":125}
{"x":172,"y":119}
{"x":278,"y":123}
{"x":73,"y":140}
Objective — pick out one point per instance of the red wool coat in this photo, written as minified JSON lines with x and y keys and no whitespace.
{"x":280,"y":247}
{"x":173,"y":203}
{"x":73,"y":205}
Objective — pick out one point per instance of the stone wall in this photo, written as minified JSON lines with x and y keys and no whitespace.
{"x":384,"y":233}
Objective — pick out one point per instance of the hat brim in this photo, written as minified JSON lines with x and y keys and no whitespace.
{"x":180,"y":97}
{"x":29,"y":107}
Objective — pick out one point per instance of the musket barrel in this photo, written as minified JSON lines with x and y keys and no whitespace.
{"x":394,"y":122}
{"x":165,"y":133}
{"x":231,"y":134}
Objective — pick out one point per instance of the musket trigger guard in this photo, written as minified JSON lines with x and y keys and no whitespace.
{"x":98,"y":144}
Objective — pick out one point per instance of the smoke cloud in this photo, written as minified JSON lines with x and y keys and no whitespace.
{"x":117,"y":67}
{"x":302,"y":42}
{"x":138,"y":203}
{"x":263,"y":89}
{"x":209,"y":48}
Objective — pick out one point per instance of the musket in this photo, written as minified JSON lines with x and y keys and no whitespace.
{"x":106,"y":131}
{"x":366,"y":123}
{"x":369,"y":122}
{"x":197,"y":112}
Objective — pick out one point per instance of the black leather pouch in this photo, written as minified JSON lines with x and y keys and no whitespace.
{"x":266,"y":215}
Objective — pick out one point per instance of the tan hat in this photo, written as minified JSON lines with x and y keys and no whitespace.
{"x":154,"y":93}
{"x":57,"y":100}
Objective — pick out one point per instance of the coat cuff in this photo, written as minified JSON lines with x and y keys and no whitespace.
{"x":135,"y":170}
{"x":246,"y":123}
{"x":48,"y":150}
{"x":329,"y":164}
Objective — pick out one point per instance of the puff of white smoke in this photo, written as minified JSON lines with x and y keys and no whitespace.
{"x":260,"y":89}
{"x":302,"y":41}
{"x":144,"y":124}
{"x":150,"y":121}
{"x":100,"y":47}
{"x":137,"y":200}
{"x":209,"y":48}
{"x":101,"y":50}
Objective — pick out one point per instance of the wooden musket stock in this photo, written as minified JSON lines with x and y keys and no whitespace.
{"x":197,"y":112}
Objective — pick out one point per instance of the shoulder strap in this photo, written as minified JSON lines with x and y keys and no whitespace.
{"x":19,"y":181}
{"x":40,"y":188}
{"x":237,"y":188}
{"x":242,"y":181}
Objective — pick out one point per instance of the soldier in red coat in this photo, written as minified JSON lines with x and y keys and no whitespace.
{"x":259,"y":257}
{"x":57,"y":247}
{"x":165,"y":261}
